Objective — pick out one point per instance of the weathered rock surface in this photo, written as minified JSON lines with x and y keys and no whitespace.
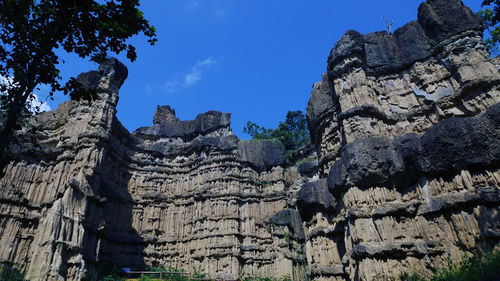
{"x":450,"y":146}
{"x":164,"y":114}
{"x":314,"y":197}
{"x":382,"y":53}
{"x":262,"y":154}
{"x":404,"y":171}
{"x":84,"y":191}
{"x":406,"y":130}
{"x":171,"y":127}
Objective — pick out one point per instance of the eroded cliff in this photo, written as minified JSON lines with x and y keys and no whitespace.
{"x":186,"y":194}
{"x":407,"y":133}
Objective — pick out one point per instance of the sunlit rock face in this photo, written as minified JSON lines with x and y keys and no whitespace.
{"x":404,"y":172}
{"x":82,"y":191}
{"x":407,"y":133}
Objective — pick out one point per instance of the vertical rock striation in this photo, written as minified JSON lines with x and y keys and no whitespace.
{"x":83,"y":191}
{"x":407,"y":133}
{"x":405,"y":172}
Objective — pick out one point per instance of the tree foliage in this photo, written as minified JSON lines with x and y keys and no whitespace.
{"x":31,"y":31}
{"x":292,"y":133}
{"x":491,"y":19}
{"x":9,"y":273}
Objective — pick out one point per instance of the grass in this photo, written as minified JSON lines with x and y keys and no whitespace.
{"x":485,"y":268}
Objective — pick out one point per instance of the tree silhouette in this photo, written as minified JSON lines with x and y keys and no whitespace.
{"x":32,"y":30}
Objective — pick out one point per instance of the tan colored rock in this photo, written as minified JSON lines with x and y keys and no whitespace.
{"x":380,"y":231}
{"x":179,"y":194}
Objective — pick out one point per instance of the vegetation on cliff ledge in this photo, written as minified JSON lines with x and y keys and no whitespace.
{"x":292,"y":133}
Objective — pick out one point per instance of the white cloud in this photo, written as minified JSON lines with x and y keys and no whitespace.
{"x":172,"y":85}
{"x":214,"y":7}
{"x":192,"y":77}
{"x":34,"y":104}
{"x":189,"y":79}
{"x":193,"y":5}
{"x":38,"y":106}
{"x":195,"y":75}
{"x":206,"y":62}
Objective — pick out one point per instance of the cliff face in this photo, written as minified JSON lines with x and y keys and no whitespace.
{"x":407,"y":133}
{"x":188,"y":194}
{"x":406,"y":130}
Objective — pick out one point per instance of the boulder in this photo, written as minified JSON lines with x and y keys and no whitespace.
{"x":290,"y":218}
{"x":262,"y":154}
{"x":314,"y":197}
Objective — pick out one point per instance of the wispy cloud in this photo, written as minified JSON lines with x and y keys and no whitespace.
{"x":195,"y":75}
{"x":148,"y":89}
{"x":215,"y":8}
{"x":172,"y":85}
{"x":188,"y":79}
{"x":192,"y":5}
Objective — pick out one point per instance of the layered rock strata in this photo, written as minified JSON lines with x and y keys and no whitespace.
{"x":406,"y":129}
{"x":83,"y":191}
{"x":403,"y":173}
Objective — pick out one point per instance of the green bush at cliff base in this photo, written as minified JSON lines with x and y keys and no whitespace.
{"x":486,"y":268}
{"x":111,"y":272}
{"x":256,"y":278}
{"x":8,"y":273}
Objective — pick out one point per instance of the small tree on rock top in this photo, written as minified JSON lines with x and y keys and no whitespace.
{"x":292,"y":133}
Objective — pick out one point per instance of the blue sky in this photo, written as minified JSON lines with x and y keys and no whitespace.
{"x":257,"y":59}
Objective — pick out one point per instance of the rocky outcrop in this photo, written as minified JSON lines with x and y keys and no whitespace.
{"x":83,"y":191}
{"x":164,"y":114}
{"x":406,"y":130}
{"x":403,"y":172}
{"x":262,"y":154}
{"x":187,"y":130}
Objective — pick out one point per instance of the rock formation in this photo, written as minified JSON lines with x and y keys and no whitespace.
{"x":405,"y":172}
{"x":186,"y":194}
{"x":406,"y":128}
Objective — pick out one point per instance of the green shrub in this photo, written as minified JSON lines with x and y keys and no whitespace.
{"x":258,"y":183}
{"x":258,"y":278}
{"x":288,"y":238}
{"x":285,"y":278}
{"x":166,"y":277}
{"x":10,"y":273}
{"x":293,"y":133}
{"x":198,"y":275}
{"x":145,"y":278}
